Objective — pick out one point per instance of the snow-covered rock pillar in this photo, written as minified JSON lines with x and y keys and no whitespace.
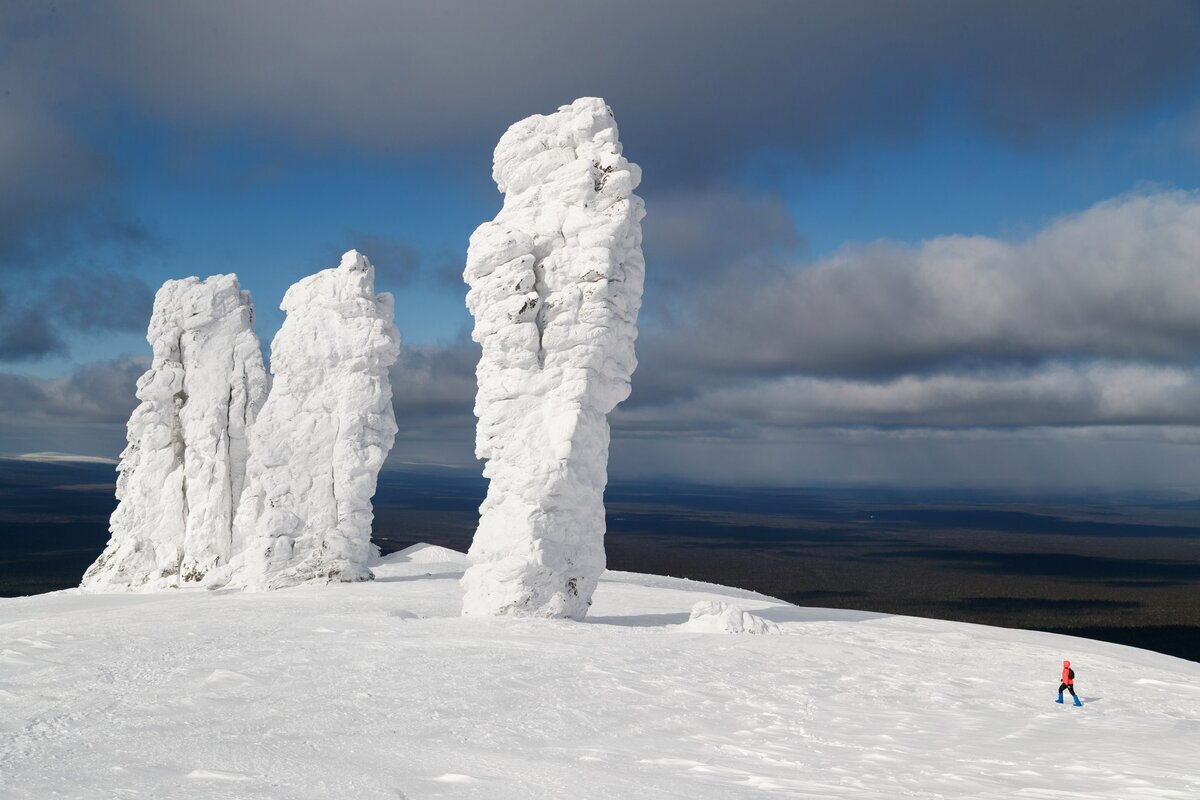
{"x":556,"y":284}
{"x":182,"y":471}
{"x":321,"y":438}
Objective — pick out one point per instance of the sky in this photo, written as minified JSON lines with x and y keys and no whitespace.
{"x":922,"y":244}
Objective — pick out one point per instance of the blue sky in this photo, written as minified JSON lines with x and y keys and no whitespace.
{"x":797,"y":157}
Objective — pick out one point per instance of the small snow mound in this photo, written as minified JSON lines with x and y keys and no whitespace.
{"x":216,"y":775}
{"x":423,"y":553}
{"x":454,"y":777}
{"x":713,"y":616}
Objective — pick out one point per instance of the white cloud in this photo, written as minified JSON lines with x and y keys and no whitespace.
{"x":1055,"y":394}
{"x":1120,"y":280}
{"x":1068,"y":359}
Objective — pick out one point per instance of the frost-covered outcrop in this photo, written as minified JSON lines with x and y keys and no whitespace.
{"x":184,"y":467}
{"x":322,"y":436}
{"x":556,"y":284}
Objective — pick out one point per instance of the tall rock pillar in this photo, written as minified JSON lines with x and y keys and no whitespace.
{"x":556,"y":284}
{"x":181,"y":474}
{"x":318,"y":445}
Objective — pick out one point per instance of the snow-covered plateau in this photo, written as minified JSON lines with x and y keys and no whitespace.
{"x":384,"y":690}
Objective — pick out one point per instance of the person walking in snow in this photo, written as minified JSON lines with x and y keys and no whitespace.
{"x":1068,"y":683}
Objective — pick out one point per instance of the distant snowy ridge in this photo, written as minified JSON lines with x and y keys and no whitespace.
{"x":183,"y":469}
{"x":556,"y":284}
{"x":69,"y":458}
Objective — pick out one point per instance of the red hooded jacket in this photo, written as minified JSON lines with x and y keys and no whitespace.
{"x":1068,"y":674}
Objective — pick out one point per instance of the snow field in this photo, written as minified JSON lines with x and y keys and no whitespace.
{"x":383,"y":690}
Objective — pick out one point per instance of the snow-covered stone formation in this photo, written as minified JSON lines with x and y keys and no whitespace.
{"x":556,"y":284}
{"x":715,"y":616}
{"x":322,"y":436}
{"x":184,"y":467}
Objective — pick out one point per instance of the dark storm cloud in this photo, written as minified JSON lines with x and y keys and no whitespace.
{"x":36,"y":324}
{"x":101,"y":300}
{"x":56,"y":190}
{"x":696,"y":84}
{"x":398,"y":263}
{"x":98,"y":392}
{"x":434,"y":385}
{"x":58,"y":198}
{"x":25,"y":334}
{"x":698,"y":237}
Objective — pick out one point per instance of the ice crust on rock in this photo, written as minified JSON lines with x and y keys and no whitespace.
{"x":184,"y":466}
{"x":322,"y":436}
{"x":555,"y":287}
{"x":715,"y":616}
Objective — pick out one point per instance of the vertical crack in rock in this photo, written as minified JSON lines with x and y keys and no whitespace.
{"x":320,"y":440}
{"x":173,"y":522}
{"x":231,"y":479}
{"x":555,"y":288}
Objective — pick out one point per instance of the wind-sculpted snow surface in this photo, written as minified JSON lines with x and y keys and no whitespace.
{"x":184,"y":467}
{"x":556,"y":284}
{"x":322,"y":436}
{"x":381,"y":690}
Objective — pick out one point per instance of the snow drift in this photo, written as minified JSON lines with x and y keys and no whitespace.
{"x":184,"y":467}
{"x":556,"y":284}
{"x":716,"y":616}
{"x":322,"y":436}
